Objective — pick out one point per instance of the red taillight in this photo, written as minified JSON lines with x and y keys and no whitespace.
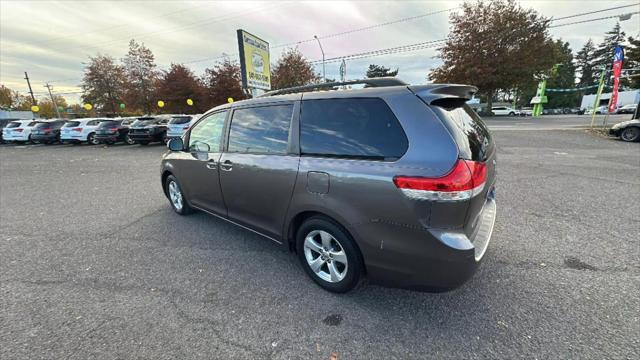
{"x":77,"y":129}
{"x":465,"y":180}
{"x":18,"y":130}
{"x":47,"y":130}
{"x":113,"y":130}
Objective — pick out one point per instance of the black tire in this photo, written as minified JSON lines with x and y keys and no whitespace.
{"x":512,"y":114}
{"x":354,"y":268}
{"x":630,"y":134}
{"x":185,"y":209}
{"x":128,"y":140}
{"x":91,"y":139}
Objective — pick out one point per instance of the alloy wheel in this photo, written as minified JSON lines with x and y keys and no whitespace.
{"x":175,"y":195}
{"x":630,"y":134}
{"x":325,"y":256}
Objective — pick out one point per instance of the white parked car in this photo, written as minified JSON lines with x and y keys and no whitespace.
{"x":18,"y":131}
{"x":80,"y":130}
{"x":179,"y":124}
{"x":504,"y":110}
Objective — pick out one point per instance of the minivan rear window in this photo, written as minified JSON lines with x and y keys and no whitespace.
{"x":470,"y":133}
{"x":351,"y":128}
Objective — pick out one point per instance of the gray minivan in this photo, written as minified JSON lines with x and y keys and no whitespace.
{"x":393,"y":182}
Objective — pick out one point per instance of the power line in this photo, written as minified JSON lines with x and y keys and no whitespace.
{"x":593,"y":12}
{"x":595,"y":19}
{"x":386,"y":51}
{"x":375,"y":26}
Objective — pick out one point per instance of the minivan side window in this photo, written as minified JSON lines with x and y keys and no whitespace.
{"x":260,"y":130}
{"x":351,"y":128}
{"x":205,"y":136}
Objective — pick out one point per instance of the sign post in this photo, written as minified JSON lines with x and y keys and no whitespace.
{"x":596,"y":103}
{"x":254,"y":62}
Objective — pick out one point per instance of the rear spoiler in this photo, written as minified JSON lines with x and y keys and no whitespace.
{"x":433,"y":92}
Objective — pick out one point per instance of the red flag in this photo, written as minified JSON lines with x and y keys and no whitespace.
{"x":618,"y":57}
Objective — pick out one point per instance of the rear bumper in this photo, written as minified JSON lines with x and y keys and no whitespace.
{"x":15,"y":137}
{"x":44,"y":137}
{"x":425,"y":259}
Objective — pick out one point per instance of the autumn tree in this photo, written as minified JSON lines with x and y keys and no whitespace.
{"x":292,"y":69}
{"x":141,"y":74}
{"x":177,"y":85}
{"x":585,"y":62}
{"x":103,"y":83}
{"x":376,"y":71}
{"x":6,"y":97}
{"x":48,"y":108}
{"x":495,"y":45}
{"x":222,"y":82}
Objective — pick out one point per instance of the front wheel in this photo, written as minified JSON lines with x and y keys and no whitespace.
{"x":329,"y":255}
{"x":176,"y":196}
{"x":129,"y":140}
{"x":512,"y":114}
{"x":630,"y":134}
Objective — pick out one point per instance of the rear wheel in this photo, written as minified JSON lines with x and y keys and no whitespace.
{"x":176,"y":196}
{"x":91,"y":139}
{"x":329,"y":255}
{"x":129,"y":140}
{"x":512,"y":114}
{"x":630,"y":134}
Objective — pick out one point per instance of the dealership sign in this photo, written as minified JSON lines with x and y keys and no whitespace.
{"x":254,"y":61}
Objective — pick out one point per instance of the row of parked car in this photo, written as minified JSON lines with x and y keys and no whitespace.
{"x":132,"y":130}
{"x":527,"y":111}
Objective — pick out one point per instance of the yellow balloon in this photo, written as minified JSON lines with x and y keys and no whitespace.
{"x":189,"y":102}
{"x":88,"y":107}
{"x":230,"y":100}
{"x":35,"y":108}
{"x":160,"y":103}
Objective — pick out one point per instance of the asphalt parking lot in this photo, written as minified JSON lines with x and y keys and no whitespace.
{"x":94,"y":264}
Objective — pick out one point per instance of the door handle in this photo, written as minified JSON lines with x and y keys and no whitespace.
{"x":226,"y":165}
{"x":211,"y":164}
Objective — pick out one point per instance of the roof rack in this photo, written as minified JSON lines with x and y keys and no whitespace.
{"x":375,"y":82}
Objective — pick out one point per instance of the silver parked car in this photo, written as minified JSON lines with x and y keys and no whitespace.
{"x":392,"y":182}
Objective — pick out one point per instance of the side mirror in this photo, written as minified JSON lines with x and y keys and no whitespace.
{"x":175,"y":144}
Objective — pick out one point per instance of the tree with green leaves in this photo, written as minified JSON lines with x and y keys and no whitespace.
{"x":564,"y":77}
{"x":495,"y":45}
{"x":603,"y":54}
{"x":376,"y":71}
{"x":141,"y":72}
{"x":222,"y":82}
{"x":632,"y":61}
{"x":292,"y":69}
{"x":585,"y":62}
{"x":104,"y":83}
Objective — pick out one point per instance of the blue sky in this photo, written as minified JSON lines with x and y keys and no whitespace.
{"x":52,"y":39}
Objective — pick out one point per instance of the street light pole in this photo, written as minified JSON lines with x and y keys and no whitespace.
{"x":324,"y":76}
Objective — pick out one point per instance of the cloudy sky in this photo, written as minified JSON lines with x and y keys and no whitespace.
{"x":51,"y":39}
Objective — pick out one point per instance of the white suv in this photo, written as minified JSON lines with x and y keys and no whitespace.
{"x":179,"y":124}
{"x":18,"y":131}
{"x":80,"y":130}
{"x":504,"y":110}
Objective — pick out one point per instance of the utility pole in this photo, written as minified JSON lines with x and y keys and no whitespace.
{"x":55,"y":106}
{"x":33,"y":98}
{"x":324,"y":76}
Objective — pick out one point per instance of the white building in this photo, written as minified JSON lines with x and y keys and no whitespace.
{"x":17,"y":115}
{"x":624,"y":98}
